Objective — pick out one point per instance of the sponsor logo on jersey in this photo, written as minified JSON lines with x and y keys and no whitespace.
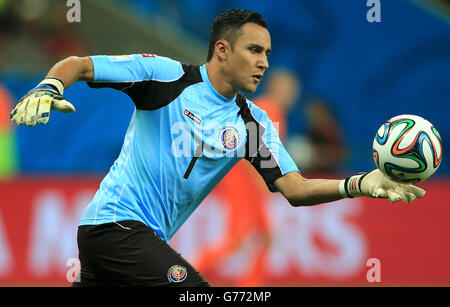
{"x":177,"y":273}
{"x":147,"y":55}
{"x":192,"y":116}
{"x":229,"y":138}
{"x":120,"y":58}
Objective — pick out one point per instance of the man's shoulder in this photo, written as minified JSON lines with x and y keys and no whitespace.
{"x":160,"y":59}
{"x":249,"y":110}
{"x":167,"y":69}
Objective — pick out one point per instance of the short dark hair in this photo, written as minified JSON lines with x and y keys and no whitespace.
{"x":228,"y":24}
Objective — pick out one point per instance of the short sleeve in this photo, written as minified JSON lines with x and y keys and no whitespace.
{"x":264,"y":149}
{"x":134,"y":68}
{"x":147,"y":78}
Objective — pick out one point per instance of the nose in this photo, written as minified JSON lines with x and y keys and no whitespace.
{"x":263,"y":62}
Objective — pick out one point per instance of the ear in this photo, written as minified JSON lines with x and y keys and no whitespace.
{"x":222,"y":48}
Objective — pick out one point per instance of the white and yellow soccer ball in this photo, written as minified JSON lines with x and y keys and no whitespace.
{"x":407,"y":149}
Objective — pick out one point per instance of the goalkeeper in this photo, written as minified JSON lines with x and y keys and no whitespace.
{"x":190,"y":126}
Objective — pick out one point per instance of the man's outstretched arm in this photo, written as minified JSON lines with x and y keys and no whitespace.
{"x":72,"y":69}
{"x":300,"y":191}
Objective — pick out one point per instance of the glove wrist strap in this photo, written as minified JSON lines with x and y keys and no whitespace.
{"x":351,"y":186}
{"x":343,"y":189}
{"x":54,"y":83}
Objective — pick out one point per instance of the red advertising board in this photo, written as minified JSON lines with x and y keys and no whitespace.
{"x":352,"y":241}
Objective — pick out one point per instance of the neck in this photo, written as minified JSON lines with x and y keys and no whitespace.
{"x":219,"y":81}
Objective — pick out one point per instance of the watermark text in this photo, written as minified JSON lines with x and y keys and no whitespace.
{"x":74,"y":13}
{"x":374,"y":273}
{"x":374,"y":13}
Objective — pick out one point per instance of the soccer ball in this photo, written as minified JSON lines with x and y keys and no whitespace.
{"x":408,"y":149}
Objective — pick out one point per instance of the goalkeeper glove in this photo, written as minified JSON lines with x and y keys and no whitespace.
{"x":376,"y":185}
{"x":35,"y":106}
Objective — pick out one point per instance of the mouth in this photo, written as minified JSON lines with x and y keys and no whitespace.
{"x":257,"y":77}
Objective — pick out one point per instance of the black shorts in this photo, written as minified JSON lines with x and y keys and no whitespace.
{"x":129,"y":253}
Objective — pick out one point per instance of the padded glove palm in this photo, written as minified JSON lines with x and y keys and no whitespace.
{"x":36,"y":105}
{"x":376,"y":185}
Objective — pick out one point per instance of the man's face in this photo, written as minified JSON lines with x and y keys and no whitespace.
{"x":248,"y":60}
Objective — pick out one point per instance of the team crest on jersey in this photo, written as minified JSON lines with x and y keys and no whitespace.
{"x":177,"y":273}
{"x":229,"y":137}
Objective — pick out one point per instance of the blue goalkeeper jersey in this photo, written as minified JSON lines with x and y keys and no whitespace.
{"x":182,"y":139}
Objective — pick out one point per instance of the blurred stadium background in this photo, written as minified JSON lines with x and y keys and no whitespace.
{"x":362,"y":73}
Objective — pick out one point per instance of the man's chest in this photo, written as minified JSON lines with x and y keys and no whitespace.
{"x":218,"y":129}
